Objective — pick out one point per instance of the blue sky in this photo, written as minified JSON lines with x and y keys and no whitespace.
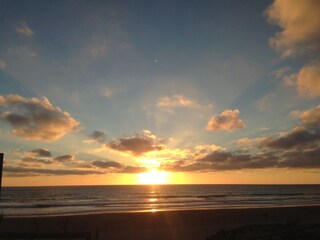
{"x":174,"y":74}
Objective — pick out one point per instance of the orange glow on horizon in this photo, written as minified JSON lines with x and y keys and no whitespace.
{"x":153,"y":177}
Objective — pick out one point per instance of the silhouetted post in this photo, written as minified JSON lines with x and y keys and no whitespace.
{"x":1,"y":166}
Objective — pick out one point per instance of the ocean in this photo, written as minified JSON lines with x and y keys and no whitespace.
{"x":36,"y":201}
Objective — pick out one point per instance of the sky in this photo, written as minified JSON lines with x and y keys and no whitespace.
{"x":180,"y":92}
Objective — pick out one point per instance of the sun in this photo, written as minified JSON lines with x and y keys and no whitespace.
{"x":153,"y":177}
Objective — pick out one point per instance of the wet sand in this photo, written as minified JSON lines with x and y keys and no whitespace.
{"x":191,"y":224}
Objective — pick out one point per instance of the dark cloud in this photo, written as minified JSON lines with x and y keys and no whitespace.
{"x":224,"y":160}
{"x":97,"y":136}
{"x":133,"y":169}
{"x":35,"y":118}
{"x":301,"y":159}
{"x":41,"y":152}
{"x":298,"y":138}
{"x":36,"y":160}
{"x":65,"y":158}
{"x":137,"y":145}
{"x":106,"y":164}
{"x":41,"y":171}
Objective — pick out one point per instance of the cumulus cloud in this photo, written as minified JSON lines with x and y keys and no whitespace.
{"x":227,"y":120}
{"x":35,"y":118}
{"x":308,"y":80}
{"x":311,"y":117}
{"x":137,"y":144}
{"x":299,"y":21}
{"x":23,"y":28}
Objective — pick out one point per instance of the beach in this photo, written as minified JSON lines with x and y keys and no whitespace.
{"x":183,"y":224}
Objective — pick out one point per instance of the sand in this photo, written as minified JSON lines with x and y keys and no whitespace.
{"x":191,"y":224}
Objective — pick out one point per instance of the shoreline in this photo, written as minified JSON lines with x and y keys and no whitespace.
{"x":90,"y":213}
{"x":184,"y":224}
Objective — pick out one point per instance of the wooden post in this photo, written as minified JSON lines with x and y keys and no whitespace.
{"x":1,"y":166}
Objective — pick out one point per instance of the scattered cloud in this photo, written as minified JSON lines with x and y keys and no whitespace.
{"x":65,"y":158}
{"x":308,"y":80}
{"x":23,"y":28}
{"x":175,"y":101}
{"x":36,"y":160}
{"x":24,"y":171}
{"x":301,"y":159}
{"x":35,"y":118}
{"x":106,"y":164}
{"x":137,"y":144}
{"x":311,"y":117}
{"x":299,"y":21}
{"x":133,"y":169}
{"x":249,"y":142}
{"x":40,"y":152}
{"x":280,"y":73}
{"x":179,"y":101}
{"x":96,"y":136}
{"x":299,"y":137}
{"x":228,"y":120}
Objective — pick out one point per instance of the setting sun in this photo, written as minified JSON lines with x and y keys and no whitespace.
{"x":153,"y":177}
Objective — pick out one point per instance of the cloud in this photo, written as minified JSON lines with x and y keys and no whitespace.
{"x":2,"y":64}
{"x":36,"y":160}
{"x":35,"y":118}
{"x":41,"y":171}
{"x":179,"y":101}
{"x":40,"y":152}
{"x":227,"y":120}
{"x":23,"y":28}
{"x":249,"y":142}
{"x":138,"y":144}
{"x":175,"y":101}
{"x":65,"y":158}
{"x":97,"y":136}
{"x":299,"y":21}
{"x":225,"y":160}
{"x":311,"y":117}
{"x":299,"y":137}
{"x":133,"y":169}
{"x":106,"y":164}
{"x":203,"y":150}
{"x":308,"y":80}
{"x":301,"y":159}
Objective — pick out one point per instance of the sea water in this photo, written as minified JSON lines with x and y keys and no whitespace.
{"x":31,"y":201}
